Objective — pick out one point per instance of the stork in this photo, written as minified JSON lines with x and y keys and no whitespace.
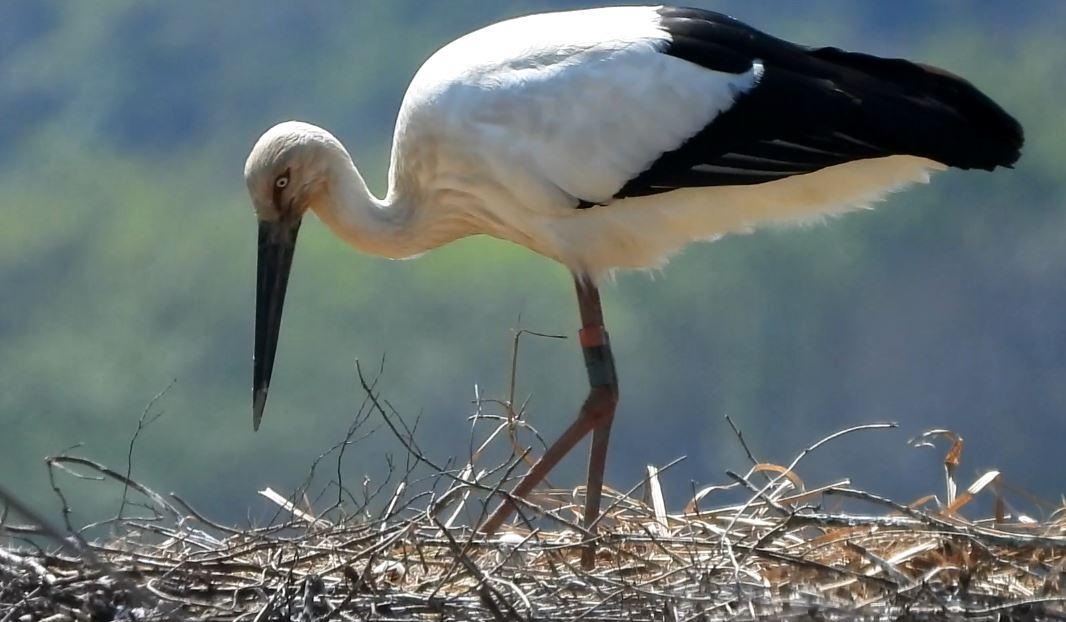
{"x":609,"y":139}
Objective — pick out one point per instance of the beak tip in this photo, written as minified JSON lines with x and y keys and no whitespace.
{"x":259,"y":398}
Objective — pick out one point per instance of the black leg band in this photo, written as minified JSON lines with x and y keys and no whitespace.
{"x":599,"y":362}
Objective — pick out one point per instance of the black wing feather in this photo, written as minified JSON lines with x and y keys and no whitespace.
{"x":819,"y":107}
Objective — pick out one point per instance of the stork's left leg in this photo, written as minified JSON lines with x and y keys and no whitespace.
{"x":596,"y":416}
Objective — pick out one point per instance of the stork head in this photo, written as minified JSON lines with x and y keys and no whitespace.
{"x":287,"y":173}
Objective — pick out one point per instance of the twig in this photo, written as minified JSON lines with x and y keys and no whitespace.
{"x":740,"y":437}
{"x":142,"y":423}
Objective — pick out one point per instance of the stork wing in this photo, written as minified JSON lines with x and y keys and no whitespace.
{"x":594,"y":105}
{"x":815,"y":108}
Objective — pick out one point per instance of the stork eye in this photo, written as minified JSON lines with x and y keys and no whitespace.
{"x":281,"y":181}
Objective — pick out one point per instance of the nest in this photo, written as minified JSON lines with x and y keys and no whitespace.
{"x":786,"y":550}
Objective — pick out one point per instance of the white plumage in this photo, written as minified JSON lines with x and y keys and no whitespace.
{"x":610,"y":138}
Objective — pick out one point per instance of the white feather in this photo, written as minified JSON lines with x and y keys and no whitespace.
{"x":641,"y":233}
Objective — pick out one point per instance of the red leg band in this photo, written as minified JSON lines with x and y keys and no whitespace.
{"x":592,"y":336}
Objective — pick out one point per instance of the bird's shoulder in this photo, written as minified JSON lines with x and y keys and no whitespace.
{"x":508,"y":56}
{"x":543,"y":39}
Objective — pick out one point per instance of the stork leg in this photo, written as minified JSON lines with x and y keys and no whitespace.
{"x":596,"y":416}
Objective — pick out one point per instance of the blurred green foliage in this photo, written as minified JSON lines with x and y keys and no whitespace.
{"x":127,"y":255}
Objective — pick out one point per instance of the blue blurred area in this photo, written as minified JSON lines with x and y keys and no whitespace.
{"x":127,"y":255}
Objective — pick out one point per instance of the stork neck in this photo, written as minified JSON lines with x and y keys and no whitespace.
{"x":372,"y":225}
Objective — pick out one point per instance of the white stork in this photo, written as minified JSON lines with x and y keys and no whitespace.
{"x":610,"y":138}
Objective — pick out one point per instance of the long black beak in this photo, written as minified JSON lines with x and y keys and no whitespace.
{"x":277,"y":244}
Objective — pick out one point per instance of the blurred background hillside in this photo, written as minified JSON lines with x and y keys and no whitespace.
{"x":127,"y":254}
